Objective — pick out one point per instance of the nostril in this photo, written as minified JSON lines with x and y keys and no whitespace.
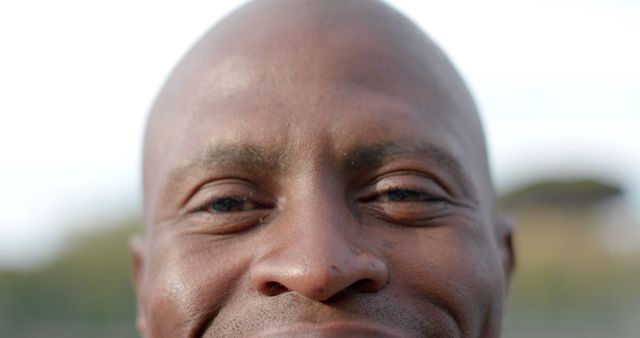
{"x":274,"y":289}
{"x":365,"y":285}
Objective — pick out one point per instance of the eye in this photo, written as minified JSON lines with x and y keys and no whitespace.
{"x":225,"y":199}
{"x":405,"y":198}
{"x":407,"y":195}
{"x":404,"y":187}
{"x":226,"y":207}
{"x":231,"y":204}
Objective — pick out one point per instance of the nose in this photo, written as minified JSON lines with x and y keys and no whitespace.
{"x":319,"y":258}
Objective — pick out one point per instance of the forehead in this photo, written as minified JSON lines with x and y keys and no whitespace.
{"x":313,"y":96}
{"x":285,"y":96}
{"x":306,"y":124}
{"x":311,"y":124}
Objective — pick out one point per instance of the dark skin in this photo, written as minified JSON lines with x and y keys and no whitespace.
{"x":317,"y":168}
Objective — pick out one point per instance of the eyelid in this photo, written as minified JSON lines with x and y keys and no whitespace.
{"x":227,"y":188}
{"x":207,"y":203}
{"x":408,"y":180}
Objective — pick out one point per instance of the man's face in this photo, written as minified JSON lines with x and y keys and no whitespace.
{"x":296,"y":204}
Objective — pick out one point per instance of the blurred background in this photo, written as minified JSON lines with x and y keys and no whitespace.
{"x":558,"y":83}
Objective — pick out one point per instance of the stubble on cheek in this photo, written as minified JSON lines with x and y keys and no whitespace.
{"x":198,"y":291}
{"x":244,"y":316}
{"x":460,"y":275}
{"x":188,"y":285}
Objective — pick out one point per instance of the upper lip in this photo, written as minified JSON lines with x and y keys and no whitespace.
{"x":331,"y":329}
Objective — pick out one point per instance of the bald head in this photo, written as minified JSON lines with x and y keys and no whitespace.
{"x":361,"y":41}
{"x":278,"y":43}
{"x":318,"y":167}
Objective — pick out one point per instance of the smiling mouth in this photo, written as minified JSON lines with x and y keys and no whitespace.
{"x":329,"y":329}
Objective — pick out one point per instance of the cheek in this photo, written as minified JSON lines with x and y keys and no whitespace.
{"x":456,"y":269}
{"x":187,"y":283}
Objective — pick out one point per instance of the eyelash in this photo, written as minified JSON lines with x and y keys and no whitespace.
{"x":423,"y":195}
{"x":205,"y":207}
{"x":419,"y":195}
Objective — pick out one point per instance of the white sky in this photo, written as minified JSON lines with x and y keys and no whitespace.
{"x":558,"y":83}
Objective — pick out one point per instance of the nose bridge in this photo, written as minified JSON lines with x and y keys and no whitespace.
{"x":323,"y":234}
{"x":319,"y":217}
{"x":322,"y":251}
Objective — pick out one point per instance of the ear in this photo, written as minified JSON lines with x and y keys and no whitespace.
{"x":504,"y":236}
{"x":136,"y":245}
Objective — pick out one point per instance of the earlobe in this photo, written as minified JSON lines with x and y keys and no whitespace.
{"x":504,"y":228}
{"x":136,"y":245}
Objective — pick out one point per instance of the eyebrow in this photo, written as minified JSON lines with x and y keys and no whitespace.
{"x":248,"y":158}
{"x":254,"y":160}
{"x":375,"y":155}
